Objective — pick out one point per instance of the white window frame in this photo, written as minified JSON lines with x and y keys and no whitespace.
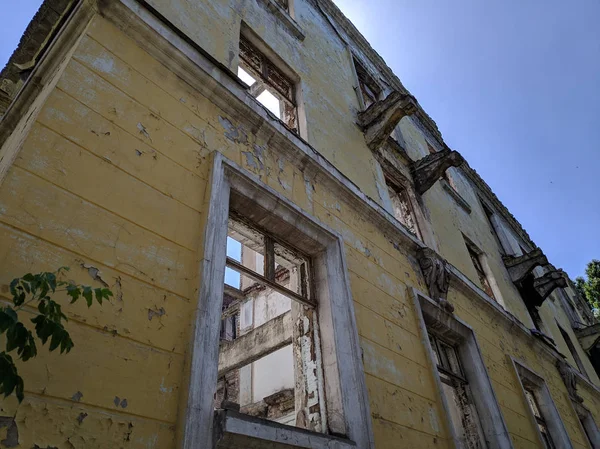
{"x":548,"y":409}
{"x":487,"y":271}
{"x":589,"y":428}
{"x":348,"y":412}
{"x":432,"y":316}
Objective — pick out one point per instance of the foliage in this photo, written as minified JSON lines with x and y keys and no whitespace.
{"x":36,"y":290}
{"x":590,"y":288}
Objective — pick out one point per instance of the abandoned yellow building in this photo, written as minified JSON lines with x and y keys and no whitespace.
{"x":297,"y":258}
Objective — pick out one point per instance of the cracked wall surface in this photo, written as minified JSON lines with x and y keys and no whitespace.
{"x":112,"y":181}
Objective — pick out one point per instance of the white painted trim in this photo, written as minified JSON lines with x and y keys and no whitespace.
{"x":205,"y":344}
{"x":246,"y":431}
{"x":345,"y":387}
{"x":489,"y":413}
{"x":556,"y":427}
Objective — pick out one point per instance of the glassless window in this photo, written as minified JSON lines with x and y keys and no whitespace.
{"x":403,"y":211}
{"x":541,"y":422}
{"x":284,"y":4}
{"x":369,"y":89}
{"x":269,"y":345}
{"x":476,"y":259}
{"x":268,"y":84}
{"x":456,"y":390}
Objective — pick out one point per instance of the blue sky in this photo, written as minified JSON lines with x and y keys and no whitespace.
{"x":514,"y":85}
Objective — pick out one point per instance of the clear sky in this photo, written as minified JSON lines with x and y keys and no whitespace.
{"x":514,"y":85}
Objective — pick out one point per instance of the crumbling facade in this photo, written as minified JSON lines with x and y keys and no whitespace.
{"x":297,"y":258}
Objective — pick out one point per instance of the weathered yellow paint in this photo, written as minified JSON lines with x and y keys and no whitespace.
{"x":115,"y":175}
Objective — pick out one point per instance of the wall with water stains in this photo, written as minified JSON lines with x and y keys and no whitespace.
{"x":112,"y":181}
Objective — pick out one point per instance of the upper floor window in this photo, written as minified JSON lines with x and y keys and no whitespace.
{"x":572,"y":350}
{"x":268,"y":84}
{"x":477,"y":260}
{"x":402,"y":207}
{"x":491,"y":221}
{"x":369,"y":90}
{"x":285,"y":4}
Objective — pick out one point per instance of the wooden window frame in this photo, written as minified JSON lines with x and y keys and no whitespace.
{"x":433,"y":319}
{"x":270,"y":77}
{"x":365,"y":82}
{"x":529,"y":380}
{"x":347,"y":404}
{"x":486,"y":278}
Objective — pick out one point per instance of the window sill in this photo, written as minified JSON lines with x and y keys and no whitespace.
{"x":276,"y":9}
{"x":456,"y":196}
{"x":234,"y":430}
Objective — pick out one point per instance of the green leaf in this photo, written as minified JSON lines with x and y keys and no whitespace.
{"x":57,"y":338}
{"x":74,"y":292}
{"x":99,"y":295}
{"x":6,"y":319}
{"x":51,"y":277}
{"x":9,"y":378}
{"x":13,"y":287}
{"x":87,"y":294}
{"x":66,"y":344}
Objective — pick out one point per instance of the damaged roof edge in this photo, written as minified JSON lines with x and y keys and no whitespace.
{"x":40,"y":31}
{"x":328,"y":7}
{"x":51,"y":13}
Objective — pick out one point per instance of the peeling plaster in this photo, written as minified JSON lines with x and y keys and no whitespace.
{"x":233,"y":133}
{"x":94,"y":273}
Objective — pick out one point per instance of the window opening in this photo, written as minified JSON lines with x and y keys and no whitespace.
{"x":475,"y":255}
{"x":284,"y":4}
{"x":269,"y":355}
{"x":402,"y":208}
{"x":531,"y":299}
{"x":572,"y":350}
{"x":489,"y":214}
{"x":458,"y":396}
{"x":369,"y":89}
{"x":541,"y":422}
{"x":268,"y":84}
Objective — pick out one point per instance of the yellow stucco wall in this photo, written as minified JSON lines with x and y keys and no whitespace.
{"x":114,"y":175}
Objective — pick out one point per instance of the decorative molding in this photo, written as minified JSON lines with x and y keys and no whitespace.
{"x":380,"y":119}
{"x":520,"y":266}
{"x":548,"y":283}
{"x":427,"y":170}
{"x":569,"y":378}
{"x":435,"y":272}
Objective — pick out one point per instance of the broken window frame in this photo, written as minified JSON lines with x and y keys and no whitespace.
{"x":268,"y":76}
{"x":588,"y":425}
{"x":451,"y":374}
{"x":404,"y":196}
{"x":489,"y":214}
{"x":397,"y":180}
{"x":541,"y":422}
{"x":367,"y":90}
{"x":455,"y":332}
{"x":346,"y":398}
{"x":572,"y":350}
{"x":269,"y":278}
{"x":485,"y":277}
{"x":550,"y":418}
